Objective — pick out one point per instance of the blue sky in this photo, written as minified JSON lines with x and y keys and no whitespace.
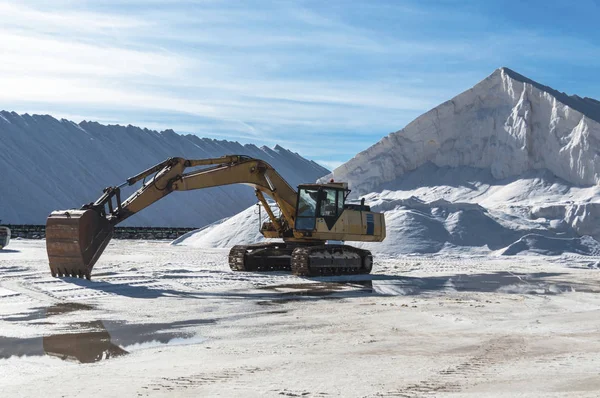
{"x":324,"y":78}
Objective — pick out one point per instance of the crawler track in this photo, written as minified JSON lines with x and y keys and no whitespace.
{"x":302,"y":260}
{"x":260,"y":257}
{"x":331,"y":260}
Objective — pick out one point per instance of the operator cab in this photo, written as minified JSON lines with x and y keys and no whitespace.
{"x":320,"y":200}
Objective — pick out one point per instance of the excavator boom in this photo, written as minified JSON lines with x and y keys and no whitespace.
{"x":75,"y":239}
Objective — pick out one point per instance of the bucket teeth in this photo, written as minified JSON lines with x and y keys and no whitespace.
{"x":69,"y":273}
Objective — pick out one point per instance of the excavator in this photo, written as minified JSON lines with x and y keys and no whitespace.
{"x":309,"y":222}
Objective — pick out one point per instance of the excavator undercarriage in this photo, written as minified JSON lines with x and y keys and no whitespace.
{"x":307,"y":219}
{"x":301,"y":260}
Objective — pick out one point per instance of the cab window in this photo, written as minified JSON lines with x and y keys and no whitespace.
{"x":307,"y":206}
{"x":340,"y":202}
{"x":328,"y":203}
{"x":307,"y":209}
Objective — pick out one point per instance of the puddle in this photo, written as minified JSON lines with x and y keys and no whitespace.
{"x":297,"y":291}
{"x":498,"y":282}
{"x":294,"y":292}
{"x":101,"y":340}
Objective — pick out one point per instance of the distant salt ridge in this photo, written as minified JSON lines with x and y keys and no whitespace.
{"x":48,"y":164}
{"x":507,"y":123}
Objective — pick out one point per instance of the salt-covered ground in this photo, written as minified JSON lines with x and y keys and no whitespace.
{"x":167,"y":320}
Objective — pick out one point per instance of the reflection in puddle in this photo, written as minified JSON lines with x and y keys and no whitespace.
{"x":100,"y":340}
{"x":83,"y":347}
{"x":498,"y":282}
{"x":298,"y":291}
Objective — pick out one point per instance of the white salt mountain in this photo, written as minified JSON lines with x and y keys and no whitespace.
{"x":525,"y":153}
{"x":506,"y":123}
{"x":48,"y":164}
{"x":509,"y":166}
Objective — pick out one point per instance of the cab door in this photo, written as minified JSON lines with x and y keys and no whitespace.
{"x":306,"y":216}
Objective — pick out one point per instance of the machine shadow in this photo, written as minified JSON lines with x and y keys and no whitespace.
{"x":342,"y":287}
{"x":130,"y":290}
{"x":9,"y":251}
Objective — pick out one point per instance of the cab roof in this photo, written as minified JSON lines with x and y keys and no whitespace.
{"x":336,"y":185}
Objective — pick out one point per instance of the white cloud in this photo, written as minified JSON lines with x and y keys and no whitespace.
{"x":52,"y":21}
{"x":27,"y":55}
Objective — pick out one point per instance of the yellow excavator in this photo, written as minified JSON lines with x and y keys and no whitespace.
{"x":307,"y":219}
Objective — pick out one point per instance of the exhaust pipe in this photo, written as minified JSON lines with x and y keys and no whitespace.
{"x":75,"y":239}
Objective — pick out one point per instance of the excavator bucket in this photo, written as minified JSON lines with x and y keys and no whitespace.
{"x":74,"y":241}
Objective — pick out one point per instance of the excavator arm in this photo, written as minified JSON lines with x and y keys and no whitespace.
{"x":75,"y":239}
